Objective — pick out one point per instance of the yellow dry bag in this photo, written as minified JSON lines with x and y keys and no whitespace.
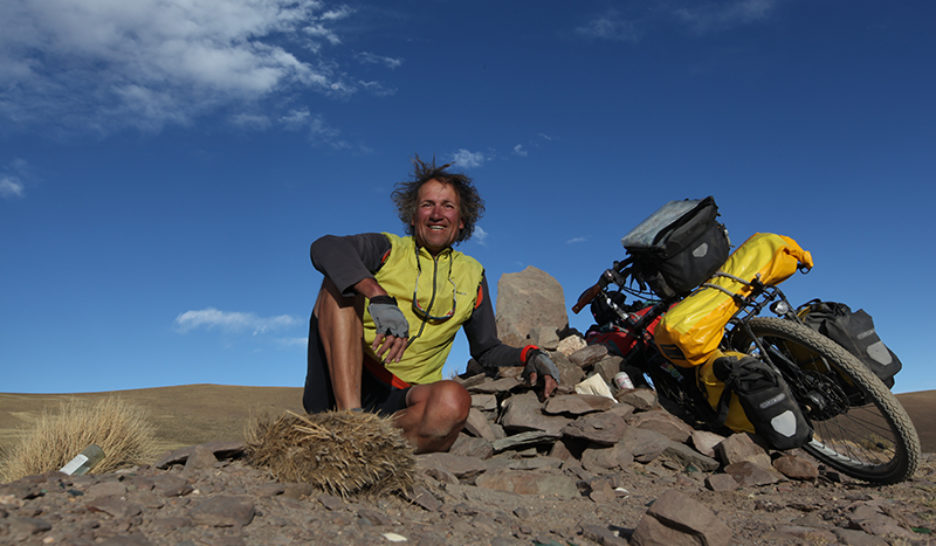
{"x":691,"y":330}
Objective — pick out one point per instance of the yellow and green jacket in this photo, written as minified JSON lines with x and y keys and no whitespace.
{"x":437,"y":294}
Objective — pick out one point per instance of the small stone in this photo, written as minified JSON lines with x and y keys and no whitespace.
{"x":705,"y":441}
{"x":461,"y":466}
{"x":748,"y":474}
{"x":641,"y":398}
{"x":171,"y":485}
{"x":663,"y":422}
{"x":470,"y":446}
{"x":571,"y":344}
{"x":740,"y":447}
{"x":607,"y":458}
{"x":721,"y":482}
{"x":200,"y":458}
{"x":223,"y":511}
{"x":675,"y":518}
{"x":588,"y":356}
{"x":797,"y":468}
{"x":601,"y":428}
{"x":484,"y":402}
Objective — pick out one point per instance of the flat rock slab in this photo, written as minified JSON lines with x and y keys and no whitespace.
{"x":462,"y":466}
{"x":797,"y":468}
{"x":747,"y":473}
{"x":578,"y":404}
{"x":525,"y":412}
{"x":588,"y":356}
{"x":479,"y":426}
{"x":675,"y":518}
{"x":641,"y":398}
{"x":223,"y":511}
{"x":603,"y":459}
{"x":646,"y":445}
{"x":505,"y":384}
{"x":221,"y":450}
{"x":689,"y":457}
{"x":663,"y":422}
{"x":740,"y":447}
{"x":530,"y":438}
{"x":524,"y":482}
{"x":600,"y":428}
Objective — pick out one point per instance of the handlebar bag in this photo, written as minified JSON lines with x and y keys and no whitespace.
{"x":677,"y":247}
{"x":854,"y":331}
{"x":691,"y":330}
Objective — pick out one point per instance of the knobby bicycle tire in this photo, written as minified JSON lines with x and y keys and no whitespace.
{"x":872,"y":438}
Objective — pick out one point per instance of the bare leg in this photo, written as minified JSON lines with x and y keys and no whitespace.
{"x":341,"y":332}
{"x":435,"y":413}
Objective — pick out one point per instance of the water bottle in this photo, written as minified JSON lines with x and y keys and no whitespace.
{"x":84,"y":461}
{"x":623,"y":381}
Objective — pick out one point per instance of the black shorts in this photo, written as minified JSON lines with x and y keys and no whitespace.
{"x":376,"y":395}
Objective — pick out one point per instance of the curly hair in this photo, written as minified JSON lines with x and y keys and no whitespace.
{"x":406,"y":195}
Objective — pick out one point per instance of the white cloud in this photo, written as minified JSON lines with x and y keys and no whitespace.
{"x":576,"y":240}
{"x":10,"y":187}
{"x":292,"y":341}
{"x":709,"y":17}
{"x":148,"y":63}
{"x":251,"y":121}
{"x":610,"y":26}
{"x":377,"y":88}
{"x":366,"y":57}
{"x":520,"y":150}
{"x":699,"y":17}
{"x":468,"y":159}
{"x":479,"y":235}
{"x":231,"y":321}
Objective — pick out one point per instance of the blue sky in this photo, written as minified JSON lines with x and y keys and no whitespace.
{"x":164,"y":165}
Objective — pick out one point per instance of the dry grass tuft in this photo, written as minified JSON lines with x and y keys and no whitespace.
{"x":118,"y":428}
{"x":341,"y":452}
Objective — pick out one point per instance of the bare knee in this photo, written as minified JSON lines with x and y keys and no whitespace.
{"x":434,"y":415}
{"x":450,"y":402}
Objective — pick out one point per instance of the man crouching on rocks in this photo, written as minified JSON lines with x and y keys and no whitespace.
{"x":389,"y":309}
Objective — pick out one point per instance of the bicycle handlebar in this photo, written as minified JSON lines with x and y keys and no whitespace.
{"x":587,"y":296}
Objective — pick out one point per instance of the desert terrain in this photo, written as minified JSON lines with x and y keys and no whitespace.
{"x":205,"y":492}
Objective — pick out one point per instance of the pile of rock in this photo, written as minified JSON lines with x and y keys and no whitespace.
{"x":596,"y":439}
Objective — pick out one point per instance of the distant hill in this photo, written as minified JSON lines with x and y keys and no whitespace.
{"x":193,"y":414}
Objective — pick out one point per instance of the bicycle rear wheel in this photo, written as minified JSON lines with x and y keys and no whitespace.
{"x":859,"y":427}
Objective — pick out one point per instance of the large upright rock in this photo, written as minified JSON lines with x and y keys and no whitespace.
{"x":530,"y":308}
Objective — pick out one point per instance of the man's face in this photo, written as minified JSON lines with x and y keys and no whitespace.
{"x":438,"y":216}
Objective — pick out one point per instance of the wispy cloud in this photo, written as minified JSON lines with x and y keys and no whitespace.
{"x":318,"y":131}
{"x":479,"y":235}
{"x":610,"y":25}
{"x":148,"y":63}
{"x":467,"y":159}
{"x":699,"y":17}
{"x":520,"y":150}
{"x":12,"y":178}
{"x":576,"y":240}
{"x":10,"y":186}
{"x":292,"y":341}
{"x":714,"y":16}
{"x":366,"y":57}
{"x":231,"y":321}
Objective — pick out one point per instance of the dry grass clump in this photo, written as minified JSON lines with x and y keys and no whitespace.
{"x":118,"y":428}
{"x":341,"y":452}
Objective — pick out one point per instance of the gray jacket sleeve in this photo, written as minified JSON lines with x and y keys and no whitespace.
{"x":481,"y":331}
{"x":349,"y":259}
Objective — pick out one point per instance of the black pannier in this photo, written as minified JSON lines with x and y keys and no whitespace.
{"x":678,"y":247}
{"x":854,"y":331}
